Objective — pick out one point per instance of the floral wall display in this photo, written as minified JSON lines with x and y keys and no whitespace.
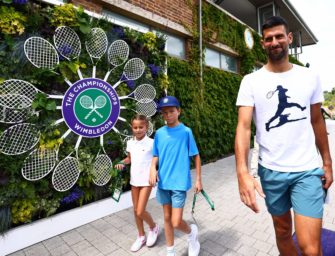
{"x":35,"y":124}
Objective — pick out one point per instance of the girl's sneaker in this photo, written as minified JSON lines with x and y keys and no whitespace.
{"x":152,"y":236}
{"x":139,"y":242}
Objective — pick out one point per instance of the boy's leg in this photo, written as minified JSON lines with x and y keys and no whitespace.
{"x":283,"y":230}
{"x":168,"y":228}
{"x":144,"y":193}
{"x":135,"y":194}
{"x":308,"y":231}
{"x":178,"y":222}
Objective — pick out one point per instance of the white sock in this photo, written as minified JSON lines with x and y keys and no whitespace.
{"x":141,"y":237}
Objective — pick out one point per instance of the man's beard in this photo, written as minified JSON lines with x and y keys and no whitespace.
{"x":277,"y":56}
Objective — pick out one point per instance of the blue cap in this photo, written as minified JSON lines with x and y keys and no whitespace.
{"x":168,"y":101}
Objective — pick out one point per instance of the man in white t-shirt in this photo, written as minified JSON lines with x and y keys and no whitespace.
{"x":284,"y":101}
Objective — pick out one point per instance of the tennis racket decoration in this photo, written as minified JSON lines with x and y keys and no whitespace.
{"x":96,"y":46}
{"x":95,"y":103}
{"x":67,"y":171}
{"x":68,"y":44}
{"x":143,"y":93}
{"x":102,"y":166}
{"x":124,"y":143}
{"x":42,"y":54}
{"x":19,"y":139}
{"x":133,"y":70}
{"x":117,"y":55}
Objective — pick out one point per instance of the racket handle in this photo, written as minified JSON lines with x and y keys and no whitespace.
{"x":79,"y":74}
{"x":94,"y":71}
{"x":107,"y":75}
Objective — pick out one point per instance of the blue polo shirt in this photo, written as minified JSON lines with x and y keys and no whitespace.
{"x":174,"y":146}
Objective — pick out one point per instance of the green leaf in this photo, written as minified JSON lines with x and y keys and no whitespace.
{"x":51,"y":105}
{"x":84,"y":28}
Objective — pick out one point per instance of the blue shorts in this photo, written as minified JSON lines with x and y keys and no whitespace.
{"x":176,"y":198}
{"x":300,"y":190}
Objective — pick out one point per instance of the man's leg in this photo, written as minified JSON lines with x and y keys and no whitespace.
{"x":283,"y":229}
{"x":308,"y":231}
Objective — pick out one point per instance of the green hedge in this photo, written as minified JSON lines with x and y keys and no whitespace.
{"x":212,"y":113}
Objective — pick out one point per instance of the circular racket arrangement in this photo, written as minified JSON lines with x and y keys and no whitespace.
{"x":90,"y":107}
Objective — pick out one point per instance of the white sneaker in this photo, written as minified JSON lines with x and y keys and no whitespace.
{"x":170,"y":252}
{"x":193,"y":243}
{"x":152,"y":236}
{"x":139,"y":242}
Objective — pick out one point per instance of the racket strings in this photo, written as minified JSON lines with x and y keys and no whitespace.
{"x":96,"y":43}
{"x":66,"y":174}
{"x":145,"y":93}
{"x":101,"y":170}
{"x":67,"y":42}
{"x":134,"y":69}
{"x":18,"y":139}
{"x":16,"y":101}
{"x":100,"y":102}
{"x":41,"y":53}
{"x":39,"y":164}
{"x":13,"y":116}
{"x":86,"y":102}
{"x":118,"y":53}
{"x":146,"y":108}
{"x":15,"y":86}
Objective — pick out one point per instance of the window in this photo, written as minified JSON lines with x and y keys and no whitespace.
{"x":175,"y":46}
{"x":265,"y":12}
{"x":220,"y":60}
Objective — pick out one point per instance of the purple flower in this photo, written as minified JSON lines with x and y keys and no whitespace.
{"x":20,"y":1}
{"x":73,"y":196}
{"x":154,"y":70}
{"x":118,"y":31}
{"x":130,"y":84}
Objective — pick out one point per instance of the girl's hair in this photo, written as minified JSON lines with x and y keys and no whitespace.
{"x":141,"y":118}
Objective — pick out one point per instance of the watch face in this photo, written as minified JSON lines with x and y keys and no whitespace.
{"x":249,"y":39}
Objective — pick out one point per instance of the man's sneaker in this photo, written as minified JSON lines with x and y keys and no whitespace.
{"x":152,"y":236}
{"x":193,"y":243}
{"x":139,"y":242}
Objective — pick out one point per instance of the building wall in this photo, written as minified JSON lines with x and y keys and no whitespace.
{"x":174,"y":11}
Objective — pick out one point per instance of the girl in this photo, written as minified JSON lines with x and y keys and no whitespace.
{"x":140,"y":155}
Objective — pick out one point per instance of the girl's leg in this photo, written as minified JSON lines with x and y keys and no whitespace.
{"x":144,"y":193}
{"x":135,"y":194}
{"x":168,"y":228}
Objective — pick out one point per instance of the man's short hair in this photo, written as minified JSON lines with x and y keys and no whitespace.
{"x":273,"y":22}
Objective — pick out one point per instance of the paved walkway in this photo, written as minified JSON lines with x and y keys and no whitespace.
{"x":232,"y":229}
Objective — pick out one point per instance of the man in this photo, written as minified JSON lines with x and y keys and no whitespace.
{"x":286,"y":132}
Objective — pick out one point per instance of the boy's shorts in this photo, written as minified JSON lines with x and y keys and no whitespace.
{"x":301,"y":190}
{"x":176,"y":198}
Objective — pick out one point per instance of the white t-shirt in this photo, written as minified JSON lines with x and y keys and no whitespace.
{"x":281,"y":114}
{"x":141,"y":156}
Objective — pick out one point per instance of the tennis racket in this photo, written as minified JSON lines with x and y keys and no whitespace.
{"x":19,"y":139}
{"x":15,"y":101}
{"x":102,"y":166}
{"x":42,"y":54}
{"x":208,"y":200}
{"x":124,"y":143}
{"x":13,"y":116}
{"x":67,"y":171}
{"x":117,"y":55}
{"x":150,"y":129}
{"x":41,"y":162}
{"x":143,"y":93}
{"x":122,"y":127}
{"x":88,"y":103}
{"x":133,"y":70}
{"x":21,"y":87}
{"x":144,"y":108}
{"x":270,"y":94}
{"x":96,"y":46}
{"x":68,"y":44}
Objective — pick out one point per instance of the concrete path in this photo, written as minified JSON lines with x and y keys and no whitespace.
{"x":232,"y":229}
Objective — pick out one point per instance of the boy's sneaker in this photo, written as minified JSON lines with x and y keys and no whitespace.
{"x":139,"y":242}
{"x":193,"y":243}
{"x":152,"y":236}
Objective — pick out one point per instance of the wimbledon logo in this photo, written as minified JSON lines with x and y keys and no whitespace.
{"x":91,"y":107}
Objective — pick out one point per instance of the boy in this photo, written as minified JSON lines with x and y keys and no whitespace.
{"x":173,"y":146}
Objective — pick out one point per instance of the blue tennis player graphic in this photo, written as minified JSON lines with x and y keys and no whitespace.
{"x":282,"y":105}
